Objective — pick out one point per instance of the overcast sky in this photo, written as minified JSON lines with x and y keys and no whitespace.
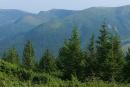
{"x":43,"y":5}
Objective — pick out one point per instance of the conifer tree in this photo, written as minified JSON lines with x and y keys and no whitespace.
{"x":117,"y":59}
{"x":11,"y":56}
{"x":103,"y":52}
{"x":91,"y":59}
{"x":28,"y":55}
{"x":126,"y":70}
{"x":71,"y":57}
{"x":110,"y":55}
{"x":47,"y":62}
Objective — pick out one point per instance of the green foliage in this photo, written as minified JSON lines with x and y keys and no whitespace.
{"x":28,"y":55}
{"x":47,"y":62}
{"x":11,"y":81}
{"x":39,"y":79}
{"x":116,"y":60}
{"x":70,"y":56}
{"x":91,"y":60}
{"x":109,"y":55}
{"x":127,"y":67}
{"x":103,"y":53}
{"x":24,"y":75}
{"x":11,"y":56}
{"x":15,"y":70}
{"x":101,"y":65}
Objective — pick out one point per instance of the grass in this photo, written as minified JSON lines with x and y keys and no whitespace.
{"x":9,"y":77}
{"x":11,"y":81}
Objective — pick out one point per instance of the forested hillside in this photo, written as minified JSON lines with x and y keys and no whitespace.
{"x":101,"y":64}
{"x":48,"y":29}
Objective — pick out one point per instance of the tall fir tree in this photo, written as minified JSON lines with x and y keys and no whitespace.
{"x":126,"y":70}
{"x":103,"y":52}
{"x":47,"y":62}
{"x":11,"y":56}
{"x":110,"y":55}
{"x":91,"y":59}
{"x":28,"y":55}
{"x":116,"y":60}
{"x":71,"y":56}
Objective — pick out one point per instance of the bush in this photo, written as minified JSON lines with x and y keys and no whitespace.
{"x":24,"y":75}
{"x":39,"y":79}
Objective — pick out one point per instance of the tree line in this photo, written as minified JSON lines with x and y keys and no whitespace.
{"x":103,"y":59}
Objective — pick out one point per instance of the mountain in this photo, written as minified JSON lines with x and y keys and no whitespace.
{"x":48,"y":29}
{"x":55,"y":14}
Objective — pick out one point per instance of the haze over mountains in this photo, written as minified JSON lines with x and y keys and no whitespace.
{"x":48,"y":29}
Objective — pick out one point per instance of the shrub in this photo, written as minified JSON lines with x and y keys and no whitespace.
{"x":24,"y":75}
{"x":39,"y":79}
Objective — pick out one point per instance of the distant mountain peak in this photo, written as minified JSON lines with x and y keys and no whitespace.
{"x":55,"y":11}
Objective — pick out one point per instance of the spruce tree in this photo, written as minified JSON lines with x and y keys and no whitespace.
{"x":28,"y":55}
{"x":11,"y":56}
{"x":71,"y":57}
{"x":126,"y":70}
{"x":103,"y":52}
{"x":117,"y":59}
{"x":110,"y":55}
{"x":91,"y":59}
{"x":47,"y":62}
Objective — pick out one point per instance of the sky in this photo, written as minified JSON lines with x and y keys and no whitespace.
{"x":43,"y":5}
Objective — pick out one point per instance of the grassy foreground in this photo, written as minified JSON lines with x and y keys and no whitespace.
{"x":11,"y":81}
{"x":14,"y":76}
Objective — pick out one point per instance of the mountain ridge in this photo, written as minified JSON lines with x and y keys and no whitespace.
{"x":48,"y":29}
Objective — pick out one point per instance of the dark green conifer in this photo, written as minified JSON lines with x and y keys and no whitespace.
{"x":117,"y":59}
{"x":126,"y":70}
{"x":109,"y":55}
{"x":28,"y":55}
{"x":103,"y":52}
{"x":11,"y":56}
{"x":91,"y":59}
{"x":47,"y":62}
{"x":71,"y":56}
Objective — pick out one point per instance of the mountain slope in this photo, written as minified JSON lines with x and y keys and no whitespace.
{"x":49,"y":29}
